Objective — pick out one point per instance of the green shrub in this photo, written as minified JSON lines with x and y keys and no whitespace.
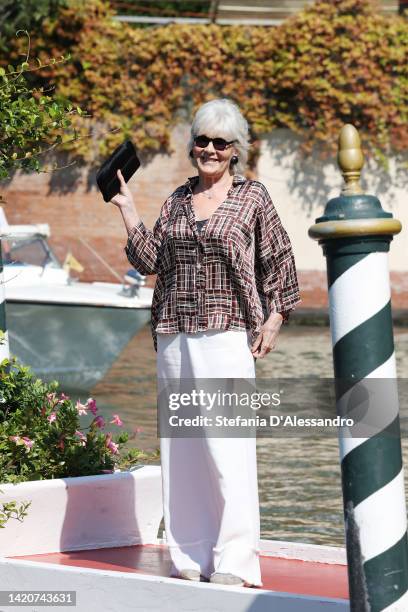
{"x":41,"y":437}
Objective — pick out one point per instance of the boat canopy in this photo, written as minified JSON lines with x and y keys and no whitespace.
{"x":37,"y":229}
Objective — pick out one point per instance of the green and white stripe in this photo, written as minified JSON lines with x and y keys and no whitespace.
{"x":372,"y":472}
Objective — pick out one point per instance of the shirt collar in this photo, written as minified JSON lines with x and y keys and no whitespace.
{"x":236,"y":180}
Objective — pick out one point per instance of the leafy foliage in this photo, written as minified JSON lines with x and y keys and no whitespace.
{"x":29,"y":119}
{"x":24,"y":15}
{"x":12,"y":510}
{"x":342,"y":62}
{"x":335,"y":62}
{"x":41,"y":436}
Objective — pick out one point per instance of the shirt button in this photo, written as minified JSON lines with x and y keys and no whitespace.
{"x":198,"y":266}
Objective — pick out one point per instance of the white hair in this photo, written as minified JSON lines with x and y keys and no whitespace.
{"x":222,"y":118}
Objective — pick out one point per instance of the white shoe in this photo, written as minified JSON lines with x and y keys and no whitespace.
{"x":219,"y":578}
{"x":190,"y":574}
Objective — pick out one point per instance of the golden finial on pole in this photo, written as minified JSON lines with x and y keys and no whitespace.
{"x":349,"y":217}
{"x":350,"y":159}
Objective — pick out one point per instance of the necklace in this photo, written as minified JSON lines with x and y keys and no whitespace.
{"x":207,"y":196}
{"x":210,"y":197}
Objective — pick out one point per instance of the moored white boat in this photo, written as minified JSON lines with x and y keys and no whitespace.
{"x":64,"y":329}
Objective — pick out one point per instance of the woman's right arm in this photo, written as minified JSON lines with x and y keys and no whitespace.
{"x":143,"y":245}
{"x":124,"y":201}
{"x":130,"y":217}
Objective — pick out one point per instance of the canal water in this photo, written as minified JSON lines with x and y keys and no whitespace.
{"x":299,"y":478}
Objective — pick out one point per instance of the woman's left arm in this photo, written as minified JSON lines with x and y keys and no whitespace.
{"x":275,"y":271}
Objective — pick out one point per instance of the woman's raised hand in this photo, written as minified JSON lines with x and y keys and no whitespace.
{"x":124,"y":201}
{"x":124,"y":198}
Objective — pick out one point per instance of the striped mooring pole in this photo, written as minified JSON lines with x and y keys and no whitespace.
{"x":355,"y":234}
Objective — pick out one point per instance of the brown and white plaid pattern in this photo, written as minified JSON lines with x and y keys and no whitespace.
{"x":232,"y":275}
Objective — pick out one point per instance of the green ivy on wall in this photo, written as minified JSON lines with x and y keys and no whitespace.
{"x":335,"y":62}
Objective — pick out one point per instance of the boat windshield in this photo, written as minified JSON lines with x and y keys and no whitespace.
{"x":28,"y":251}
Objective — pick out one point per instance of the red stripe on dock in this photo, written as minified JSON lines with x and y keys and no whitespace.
{"x":283,"y":575}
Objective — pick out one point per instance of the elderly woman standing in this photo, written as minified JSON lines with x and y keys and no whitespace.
{"x":226,"y":280}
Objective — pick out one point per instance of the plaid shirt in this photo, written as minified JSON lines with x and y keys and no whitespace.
{"x":231,"y":275}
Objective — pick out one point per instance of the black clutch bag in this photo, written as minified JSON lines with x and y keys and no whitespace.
{"x":125,"y":159}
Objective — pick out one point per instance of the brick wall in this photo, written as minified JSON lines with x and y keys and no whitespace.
{"x":77,"y":214}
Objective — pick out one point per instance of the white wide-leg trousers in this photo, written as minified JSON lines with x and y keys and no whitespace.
{"x":210,"y":486}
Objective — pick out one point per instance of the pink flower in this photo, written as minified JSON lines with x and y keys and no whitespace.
{"x":22,"y":440}
{"x":99,"y":422}
{"x":52,"y":417}
{"x":52,"y":399}
{"x":27,"y":442}
{"x":116,"y":420}
{"x":135,"y":431}
{"x":113,"y":447}
{"x":82,"y":409}
{"x":81,"y":436}
{"x":108,"y":438}
{"x":63,"y":398}
{"x":91,"y":404}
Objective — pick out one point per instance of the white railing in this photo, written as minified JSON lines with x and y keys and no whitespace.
{"x":258,"y":12}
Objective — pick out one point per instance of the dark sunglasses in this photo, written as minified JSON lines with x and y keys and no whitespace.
{"x":219,"y":143}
